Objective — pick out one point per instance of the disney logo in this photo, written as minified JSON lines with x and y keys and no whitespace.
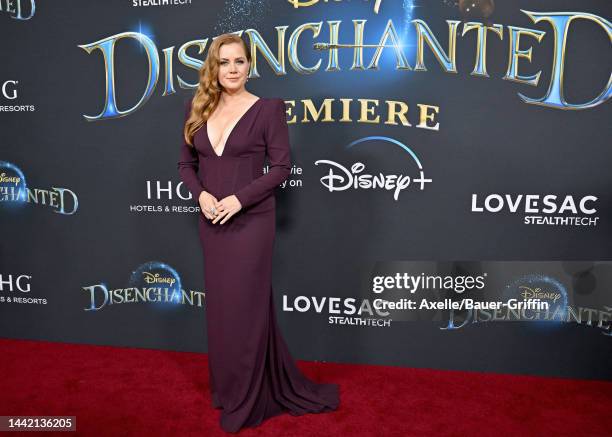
{"x":352,"y":178}
{"x":531,"y":293}
{"x":9,"y":179}
{"x":156,"y":278}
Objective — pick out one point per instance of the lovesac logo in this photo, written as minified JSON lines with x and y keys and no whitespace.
{"x":345,"y":178}
{"x":154,"y":3}
{"x":152,"y":282}
{"x":550,"y":209}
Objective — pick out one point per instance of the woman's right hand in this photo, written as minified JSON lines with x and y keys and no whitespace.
{"x":207,"y":201}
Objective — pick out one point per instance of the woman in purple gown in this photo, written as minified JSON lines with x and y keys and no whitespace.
{"x":227,"y":134}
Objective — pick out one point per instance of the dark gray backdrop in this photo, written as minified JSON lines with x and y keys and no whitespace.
{"x":327,"y":243}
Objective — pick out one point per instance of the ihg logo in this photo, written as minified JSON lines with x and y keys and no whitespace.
{"x":9,"y":89}
{"x":14,"y":283}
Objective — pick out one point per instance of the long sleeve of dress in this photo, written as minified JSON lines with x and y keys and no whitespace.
{"x":188,"y":163}
{"x":276,"y":132}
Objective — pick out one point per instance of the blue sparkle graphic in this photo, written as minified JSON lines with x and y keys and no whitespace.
{"x":11,"y":194}
{"x":137,"y":279}
{"x":145,"y":30}
{"x":237,"y":15}
{"x":546,"y":284}
{"x":408,"y":6}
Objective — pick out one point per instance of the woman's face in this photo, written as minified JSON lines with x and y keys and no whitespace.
{"x":233,"y":66}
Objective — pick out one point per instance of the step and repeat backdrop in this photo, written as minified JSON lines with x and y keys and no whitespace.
{"x":449,"y":200}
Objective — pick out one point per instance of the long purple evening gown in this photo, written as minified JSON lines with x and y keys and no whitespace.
{"x":252,"y":374}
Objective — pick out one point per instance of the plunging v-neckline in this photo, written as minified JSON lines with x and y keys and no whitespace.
{"x":231,"y":131}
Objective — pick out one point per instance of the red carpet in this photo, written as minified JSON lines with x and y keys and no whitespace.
{"x":116,"y":391}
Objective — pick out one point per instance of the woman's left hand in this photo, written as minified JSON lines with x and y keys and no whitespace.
{"x":226,"y":208}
